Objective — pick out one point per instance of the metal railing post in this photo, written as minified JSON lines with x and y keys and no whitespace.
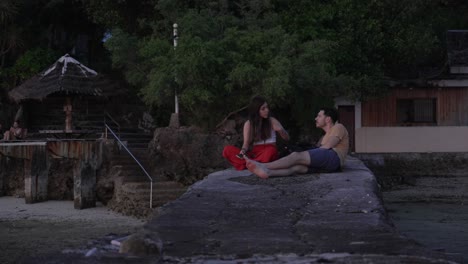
{"x":136,"y":160}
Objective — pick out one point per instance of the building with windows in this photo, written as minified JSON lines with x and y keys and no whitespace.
{"x":428,"y":115}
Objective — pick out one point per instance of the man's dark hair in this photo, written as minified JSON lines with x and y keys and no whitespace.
{"x":331,"y":112}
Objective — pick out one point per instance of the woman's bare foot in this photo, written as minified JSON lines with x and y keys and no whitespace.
{"x":256,"y":168}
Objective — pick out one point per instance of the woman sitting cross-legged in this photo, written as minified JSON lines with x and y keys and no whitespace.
{"x":259,"y":136}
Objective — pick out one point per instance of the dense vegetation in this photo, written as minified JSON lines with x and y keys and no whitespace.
{"x":298,"y":53}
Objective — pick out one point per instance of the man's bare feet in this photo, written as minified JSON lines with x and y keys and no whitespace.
{"x":256,"y":168}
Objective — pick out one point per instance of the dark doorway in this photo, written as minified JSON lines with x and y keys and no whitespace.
{"x":346,"y":113}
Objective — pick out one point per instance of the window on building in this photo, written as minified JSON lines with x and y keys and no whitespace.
{"x":416,"y":110}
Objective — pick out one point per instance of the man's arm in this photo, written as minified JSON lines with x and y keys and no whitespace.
{"x":319,"y":142}
{"x":279,"y":128}
{"x":331,"y":142}
{"x":337,"y":133}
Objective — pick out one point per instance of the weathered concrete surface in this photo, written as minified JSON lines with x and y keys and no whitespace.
{"x":232,"y":213}
{"x":84,"y":187}
{"x":234,"y":217}
{"x":36,"y":175}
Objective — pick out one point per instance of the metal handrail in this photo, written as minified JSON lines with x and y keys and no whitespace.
{"x":113,"y":120}
{"x":136,"y":160}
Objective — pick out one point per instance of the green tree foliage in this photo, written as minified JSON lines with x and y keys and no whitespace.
{"x":9,"y":38}
{"x":223,"y":57}
{"x":34,"y":33}
{"x":129,"y":15}
{"x":297,"y":53}
{"x":31,"y":63}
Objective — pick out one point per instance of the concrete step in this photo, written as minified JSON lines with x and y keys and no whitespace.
{"x":127,"y":130}
{"x":162,"y":198}
{"x":157,"y":194}
{"x":134,"y":149}
{"x":130,"y":163}
{"x":138,"y":193}
{"x":127,"y":170}
{"x":136,"y":140}
{"x":138,"y":153}
{"x":158,"y":198}
{"x":135,"y":178}
{"x":159,"y":185}
{"x":143,"y":179}
{"x":132,"y":137}
{"x":124,"y":154}
{"x":139,"y":175}
{"x":137,"y":145}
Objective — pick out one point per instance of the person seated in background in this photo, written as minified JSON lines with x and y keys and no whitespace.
{"x":259,"y":136}
{"x":15,"y":132}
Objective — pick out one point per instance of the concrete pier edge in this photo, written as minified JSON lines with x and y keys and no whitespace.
{"x":235,"y":215}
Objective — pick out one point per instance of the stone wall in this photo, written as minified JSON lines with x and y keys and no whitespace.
{"x":187,"y":154}
{"x":399,"y":168}
{"x":60,"y":179}
{"x":11,"y":176}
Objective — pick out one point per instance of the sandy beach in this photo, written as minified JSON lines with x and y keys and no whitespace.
{"x":28,"y":230}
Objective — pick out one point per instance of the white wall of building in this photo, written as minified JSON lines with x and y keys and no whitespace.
{"x":411,"y":139}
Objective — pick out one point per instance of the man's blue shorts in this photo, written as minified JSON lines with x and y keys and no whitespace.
{"x":323,"y":160}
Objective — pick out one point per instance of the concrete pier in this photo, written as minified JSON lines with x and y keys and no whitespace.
{"x":236,"y":215}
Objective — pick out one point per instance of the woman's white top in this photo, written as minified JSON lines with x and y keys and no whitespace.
{"x":269,"y":140}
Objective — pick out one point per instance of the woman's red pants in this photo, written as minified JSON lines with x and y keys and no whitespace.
{"x":261,"y":153}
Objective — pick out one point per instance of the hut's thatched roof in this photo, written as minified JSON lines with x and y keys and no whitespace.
{"x":66,"y":76}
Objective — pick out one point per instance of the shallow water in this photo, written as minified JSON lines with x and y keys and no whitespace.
{"x":438,"y":226}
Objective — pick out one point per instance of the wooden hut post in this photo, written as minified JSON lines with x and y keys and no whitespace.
{"x":68,"y":114}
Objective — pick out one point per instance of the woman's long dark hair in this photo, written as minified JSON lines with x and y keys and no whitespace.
{"x":260,"y":127}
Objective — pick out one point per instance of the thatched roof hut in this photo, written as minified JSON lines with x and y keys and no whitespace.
{"x":67,"y":77}
{"x":66,"y":86}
